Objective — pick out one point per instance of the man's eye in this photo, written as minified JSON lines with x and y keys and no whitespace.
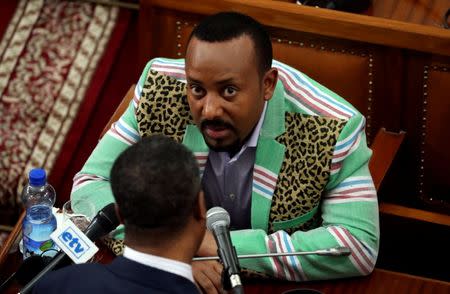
{"x":229,"y":92}
{"x":197,"y":91}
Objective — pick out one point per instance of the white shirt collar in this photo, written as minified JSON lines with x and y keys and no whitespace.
{"x":165,"y":264}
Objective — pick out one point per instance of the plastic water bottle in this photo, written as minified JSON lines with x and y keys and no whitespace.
{"x":38,"y":197}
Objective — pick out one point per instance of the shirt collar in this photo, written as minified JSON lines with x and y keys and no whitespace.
{"x":252,"y":140}
{"x":165,"y":264}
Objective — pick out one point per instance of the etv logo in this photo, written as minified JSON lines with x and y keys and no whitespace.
{"x":73,"y":242}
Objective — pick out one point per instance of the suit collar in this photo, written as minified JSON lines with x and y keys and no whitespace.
{"x":147,"y":275}
{"x":162,"y":263}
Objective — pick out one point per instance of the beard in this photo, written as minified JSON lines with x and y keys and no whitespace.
{"x":218,"y":145}
{"x":232,"y":148}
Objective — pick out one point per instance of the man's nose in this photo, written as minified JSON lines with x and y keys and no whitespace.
{"x":212,"y":107}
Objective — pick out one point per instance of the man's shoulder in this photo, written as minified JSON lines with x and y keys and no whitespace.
{"x":166,"y":66}
{"x":71,"y":276}
{"x":85,"y":268}
{"x":120,"y":276}
{"x":305,"y":95}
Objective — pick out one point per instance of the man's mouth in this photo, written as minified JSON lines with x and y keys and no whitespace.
{"x":216,"y":129}
{"x":217,"y":132}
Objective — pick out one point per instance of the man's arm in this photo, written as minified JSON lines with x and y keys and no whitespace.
{"x":92,"y":182}
{"x":350,"y":218}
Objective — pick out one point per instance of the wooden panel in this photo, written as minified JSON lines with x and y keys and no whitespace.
{"x":434,"y":183}
{"x":119,"y":110}
{"x":348,"y":66}
{"x":384,"y":147}
{"x":325,"y":22}
{"x":409,"y":244}
{"x":13,"y":238}
{"x":414,"y":11}
{"x":344,"y":71}
{"x":184,"y":29}
{"x":417,"y":214}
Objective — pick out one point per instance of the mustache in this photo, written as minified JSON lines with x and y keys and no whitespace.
{"x":218,"y":123}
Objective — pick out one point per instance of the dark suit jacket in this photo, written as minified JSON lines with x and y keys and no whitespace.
{"x":121,"y":276}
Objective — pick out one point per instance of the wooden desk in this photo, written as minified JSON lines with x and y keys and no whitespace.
{"x":380,"y":281}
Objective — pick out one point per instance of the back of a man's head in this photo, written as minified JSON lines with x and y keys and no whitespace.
{"x":225,"y":26}
{"x":156,"y":186}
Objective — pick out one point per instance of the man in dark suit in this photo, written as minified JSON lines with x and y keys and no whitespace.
{"x":156,"y":186}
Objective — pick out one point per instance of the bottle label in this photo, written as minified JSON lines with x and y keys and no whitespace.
{"x":37,"y":226}
{"x":32,"y":247}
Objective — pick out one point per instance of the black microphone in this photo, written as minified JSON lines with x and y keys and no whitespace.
{"x":104,"y":222}
{"x":218,"y":221}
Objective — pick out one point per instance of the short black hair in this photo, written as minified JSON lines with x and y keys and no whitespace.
{"x":156,"y":183}
{"x":225,"y":26}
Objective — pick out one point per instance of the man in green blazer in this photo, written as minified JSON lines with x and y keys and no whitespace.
{"x":285,"y":156}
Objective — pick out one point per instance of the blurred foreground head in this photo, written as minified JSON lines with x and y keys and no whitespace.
{"x":156,"y":185}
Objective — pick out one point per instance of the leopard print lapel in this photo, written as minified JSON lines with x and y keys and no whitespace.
{"x":309,"y":142}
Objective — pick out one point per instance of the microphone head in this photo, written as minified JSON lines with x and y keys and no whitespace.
{"x":104,"y":222}
{"x":342,"y":251}
{"x":216,"y":216}
{"x":109,"y":214}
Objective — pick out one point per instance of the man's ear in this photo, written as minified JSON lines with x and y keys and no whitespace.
{"x":119,"y":215}
{"x":269,"y":83}
{"x":200,"y":207}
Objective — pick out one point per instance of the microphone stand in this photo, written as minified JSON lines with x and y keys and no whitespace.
{"x":336,"y":251}
{"x":55,"y":261}
{"x":232,"y":283}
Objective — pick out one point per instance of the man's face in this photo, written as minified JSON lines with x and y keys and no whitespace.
{"x":225,"y":91}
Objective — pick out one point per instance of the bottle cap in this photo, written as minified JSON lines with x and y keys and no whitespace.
{"x":37,"y":177}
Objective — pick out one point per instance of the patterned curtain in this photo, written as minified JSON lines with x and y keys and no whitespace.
{"x":48,"y":55}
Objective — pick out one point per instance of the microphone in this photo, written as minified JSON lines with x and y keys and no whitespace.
{"x":218,"y":221}
{"x":104,"y":222}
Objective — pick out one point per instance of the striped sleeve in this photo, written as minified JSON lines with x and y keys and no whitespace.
{"x":350,"y":218}
{"x":92,"y":182}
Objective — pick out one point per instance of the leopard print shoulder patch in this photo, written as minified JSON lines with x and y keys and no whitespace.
{"x":115,"y":245}
{"x":163,"y":107}
{"x":305,"y":170}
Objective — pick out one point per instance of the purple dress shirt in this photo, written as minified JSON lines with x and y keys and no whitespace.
{"x":227,"y":182}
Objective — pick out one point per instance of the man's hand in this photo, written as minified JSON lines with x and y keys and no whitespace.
{"x":208,"y":246}
{"x":207,"y":274}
